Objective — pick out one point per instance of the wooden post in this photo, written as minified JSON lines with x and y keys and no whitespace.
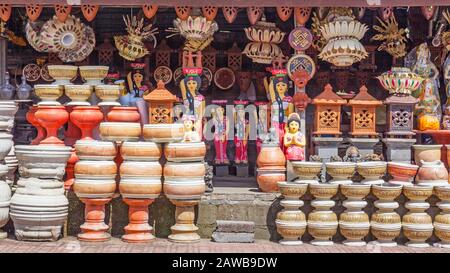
{"x":3,"y":61}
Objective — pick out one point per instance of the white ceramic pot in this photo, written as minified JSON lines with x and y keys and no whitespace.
{"x":6,"y":144}
{"x":372,"y":171}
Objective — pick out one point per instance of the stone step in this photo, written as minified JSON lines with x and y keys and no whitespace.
{"x":235,"y":226}
{"x":233,"y":237}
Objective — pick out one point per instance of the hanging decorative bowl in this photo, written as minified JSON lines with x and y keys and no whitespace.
{"x":400,"y":80}
{"x":224,"y":78}
{"x":195,"y":28}
{"x":262,"y":53}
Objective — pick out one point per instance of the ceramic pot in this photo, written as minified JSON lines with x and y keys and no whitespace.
{"x":123,"y":114}
{"x":341,"y":172}
{"x":86,"y":118}
{"x":185,"y":151}
{"x":291,"y":221}
{"x":94,"y":188}
{"x":8,"y":110}
{"x":6,"y":144}
{"x":140,"y":151}
{"x":79,"y":94}
{"x":417,"y":224}
{"x":183,"y":188}
{"x":308,"y":172}
{"x":51,"y":118}
{"x":163,"y":133}
{"x":62,"y":74}
{"x":402,"y":173}
{"x":432,"y":174}
{"x":141,"y":169}
{"x":95,"y":169}
{"x":268,"y":179}
{"x":120,"y":131}
{"x":95,"y":150}
{"x":322,"y":222}
{"x":372,"y":171}
{"x":33,"y":121}
{"x":385,"y":223}
{"x":174,"y":170}
{"x":38,"y":217}
{"x":354,"y":223}
{"x":271,"y":156}
{"x":42,"y":161}
{"x":5,"y":197}
{"x":109,"y":94}
{"x":442,"y":220}
{"x":48,"y":93}
{"x":93,"y":74}
{"x":427,"y":153}
{"x":140,"y":179}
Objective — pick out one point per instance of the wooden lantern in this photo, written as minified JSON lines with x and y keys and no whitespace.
{"x":161,"y":103}
{"x":234,"y":56}
{"x":363,"y":119}
{"x":327,"y":114}
{"x":400,"y":115}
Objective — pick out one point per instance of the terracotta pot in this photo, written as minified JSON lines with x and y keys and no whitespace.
{"x":94,"y":188}
{"x":95,"y":150}
{"x":185,"y":151}
{"x":308,"y":172}
{"x":268,"y":179}
{"x":184,"y":189}
{"x":94,"y":228}
{"x":302,"y":15}
{"x":230,"y":13}
{"x":141,"y":169}
{"x":442,"y":220}
{"x":427,"y":153}
{"x":174,"y":170}
{"x":48,"y":93}
{"x":144,"y":187}
{"x":51,"y":118}
{"x":341,"y":172}
{"x":372,"y":171}
{"x":271,"y":156}
{"x":31,"y":118}
{"x":123,"y":114}
{"x":244,"y":79}
{"x":79,"y":94}
{"x":73,"y":133}
{"x":86,"y":118}
{"x":140,"y":151}
{"x":95,"y":169}
{"x":432,"y":173}
{"x":138,"y":230}
{"x":163,"y":133}
{"x":402,"y":173}
{"x":109,"y":94}
{"x":120,"y":131}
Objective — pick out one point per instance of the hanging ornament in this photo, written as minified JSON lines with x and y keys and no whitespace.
{"x":230,"y":13}
{"x":149,"y":10}
{"x":284,"y":13}
{"x":62,"y":12}
{"x":183,"y":12}
{"x":254,"y":14}
{"x":428,"y":11}
{"x":359,"y":12}
{"x":210,"y":12}
{"x":385,"y":13}
{"x":5,"y":12}
{"x":89,"y":11}
{"x":302,"y":15}
{"x":300,"y":38}
{"x":33,"y":12}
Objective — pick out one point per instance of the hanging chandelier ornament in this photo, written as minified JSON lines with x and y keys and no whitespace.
{"x":393,"y":37}
{"x":131,"y":46}
{"x":342,"y":35}
{"x":264,"y":39}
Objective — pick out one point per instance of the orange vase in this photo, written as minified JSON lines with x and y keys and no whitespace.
{"x":123,"y":114}
{"x":138,"y":230}
{"x":73,"y":133}
{"x":52,"y":117}
{"x":33,"y":121}
{"x":86,"y":118}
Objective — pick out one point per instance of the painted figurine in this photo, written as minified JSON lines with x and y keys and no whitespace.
{"x":190,"y":135}
{"x":262,"y":125}
{"x":427,"y":106}
{"x":294,"y":140}
{"x":241,"y":133}
{"x":221,"y":128}
{"x":136,"y":91}
{"x":193,"y":101}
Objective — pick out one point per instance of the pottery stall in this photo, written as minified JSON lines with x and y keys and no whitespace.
{"x":39,"y":207}
{"x":442,"y":220}
{"x":291,"y":221}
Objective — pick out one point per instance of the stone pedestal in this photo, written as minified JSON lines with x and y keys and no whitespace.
{"x":138,"y":230}
{"x":364,"y":145}
{"x":184,"y":231}
{"x":242,"y":170}
{"x":221,"y":170}
{"x":94,"y":228}
{"x":399,"y":149}
{"x":326,"y":147}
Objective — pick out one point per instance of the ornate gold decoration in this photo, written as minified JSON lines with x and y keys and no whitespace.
{"x":393,"y":38}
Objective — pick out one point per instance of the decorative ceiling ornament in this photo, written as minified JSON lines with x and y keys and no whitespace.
{"x":230,"y":14}
{"x":302,"y":15}
{"x":284,"y":13}
{"x":224,"y":78}
{"x":342,"y":35}
{"x":209,"y":12}
{"x":254,"y":14}
{"x":359,"y":12}
{"x":131,"y":46}
{"x":163,"y":73}
{"x":33,"y":12}
{"x":301,"y":62}
{"x":429,"y":11}
{"x":5,"y":12}
{"x":183,"y":12}
{"x":264,"y":37}
{"x":89,"y":11}
{"x":393,"y":38}
{"x":149,"y":10}
{"x":72,"y":40}
{"x":385,"y":13}
{"x":300,"y":38}
{"x":62,"y":12}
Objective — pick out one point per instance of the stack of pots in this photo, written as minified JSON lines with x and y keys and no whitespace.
{"x":8,"y":110}
{"x":271,"y":164}
{"x":432,"y":171}
{"x":39,"y":207}
{"x":442,"y":220}
{"x":95,"y":185}
{"x":140,"y":184}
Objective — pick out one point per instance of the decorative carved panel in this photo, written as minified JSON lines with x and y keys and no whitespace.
{"x":401,"y":118}
{"x":160,"y":113}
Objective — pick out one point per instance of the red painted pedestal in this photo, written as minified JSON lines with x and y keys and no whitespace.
{"x":94,"y":228}
{"x":51,"y":117}
{"x":138,"y":230}
{"x":31,"y":118}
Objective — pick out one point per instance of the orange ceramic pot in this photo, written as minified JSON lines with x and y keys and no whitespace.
{"x":184,"y":189}
{"x":268,"y":179}
{"x":187,"y":170}
{"x":31,"y":118}
{"x":140,"y":169}
{"x":123,"y":114}
{"x":73,"y":133}
{"x":95,"y":150}
{"x":120,"y":131}
{"x":96,"y":169}
{"x":163,"y":133}
{"x":185,"y":151}
{"x":271,"y":157}
{"x":432,"y":174}
{"x":140,"y":151}
{"x":402,"y":173}
{"x":94,"y":188}
{"x":427,"y":153}
{"x":51,"y":117}
{"x":86,"y":118}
